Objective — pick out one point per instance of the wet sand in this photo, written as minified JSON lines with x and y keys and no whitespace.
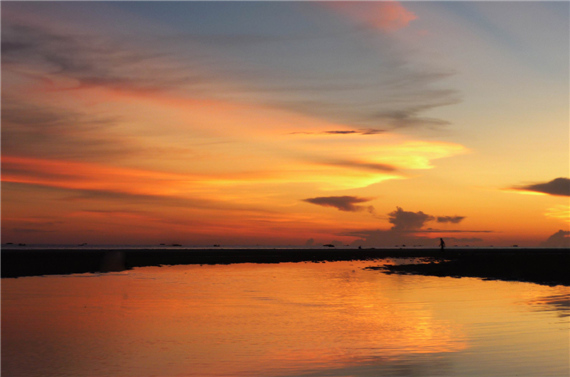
{"x":543,"y":266}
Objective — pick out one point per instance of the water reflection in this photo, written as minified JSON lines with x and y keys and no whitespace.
{"x":305,"y":319}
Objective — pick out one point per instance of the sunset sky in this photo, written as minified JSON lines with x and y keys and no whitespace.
{"x":286,"y":123}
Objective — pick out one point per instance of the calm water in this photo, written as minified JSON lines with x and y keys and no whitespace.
{"x":304,"y":319}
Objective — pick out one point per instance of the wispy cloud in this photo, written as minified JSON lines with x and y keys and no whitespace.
{"x":97,"y":181}
{"x":364,"y":131}
{"x":37,"y":130}
{"x":75,"y":60}
{"x":386,"y":91}
{"x":450,"y":219}
{"x":342,"y":203}
{"x":89,"y":60}
{"x":559,"y":212}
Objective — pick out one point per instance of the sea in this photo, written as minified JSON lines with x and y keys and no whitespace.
{"x":286,"y":319}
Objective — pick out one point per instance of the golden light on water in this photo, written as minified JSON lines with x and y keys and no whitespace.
{"x":282,"y":319}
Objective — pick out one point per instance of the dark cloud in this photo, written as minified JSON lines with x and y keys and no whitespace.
{"x":359,"y":165}
{"x":340,"y":132}
{"x":371,"y":131}
{"x":363,"y":131}
{"x":558,"y":187}
{"x":408,"y":230}
{"x":450,"y":219}
{"x":414,"y":221}
{"x":342,"y":203}
{"x":405,"y":220}
{"x":558,"y":239}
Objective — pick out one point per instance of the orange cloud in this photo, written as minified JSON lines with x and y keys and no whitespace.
{"x":89,"y":176}
{"x":382,"y":15}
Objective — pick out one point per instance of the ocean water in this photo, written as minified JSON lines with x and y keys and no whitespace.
{"x":289,"y":319}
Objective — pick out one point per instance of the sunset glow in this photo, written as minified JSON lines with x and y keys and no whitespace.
{"x":285,"y":123}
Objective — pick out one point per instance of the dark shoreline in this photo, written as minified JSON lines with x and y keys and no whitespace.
{"x":545,"y":267}
{"x":33,"y":262}
{"x":542,"y":266}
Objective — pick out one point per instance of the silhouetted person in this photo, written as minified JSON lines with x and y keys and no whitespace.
{"x":441,"y":244}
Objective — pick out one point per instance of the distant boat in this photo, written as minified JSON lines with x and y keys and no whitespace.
{"x":175,"y":244}
{"x":83,"y":244}
{"x":216,"y":245}
{"x":328,"y":245}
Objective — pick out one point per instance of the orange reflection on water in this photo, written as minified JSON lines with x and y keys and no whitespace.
{"x":283,"y":319}
{"x":216,"y":320}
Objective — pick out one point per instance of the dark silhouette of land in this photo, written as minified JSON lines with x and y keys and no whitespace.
{"x":543,"y":266}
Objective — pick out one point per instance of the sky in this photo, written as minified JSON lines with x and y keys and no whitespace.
{"x":286,"y":123}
